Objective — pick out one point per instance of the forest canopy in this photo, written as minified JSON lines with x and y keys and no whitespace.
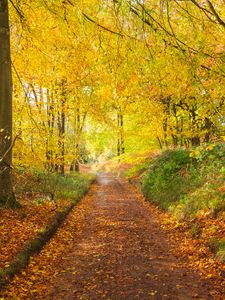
{"x":101,"y":78}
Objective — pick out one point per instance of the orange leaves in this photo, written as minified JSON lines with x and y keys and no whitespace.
{"x":19,"y":226}
{"x":111,"y":247}
{"x":197,"y":249}
{"x":32,"y":282}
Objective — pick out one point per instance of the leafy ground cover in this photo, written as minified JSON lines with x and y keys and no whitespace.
{"x":188,"y":187}
{"x":78,"y":260}
{"x":44,"y":267}
{"x":195,"y":250}
{"x":18,"y":226}
{"x":111,"y":247}
{"x":42,"y":197}
{"x":191,"y":186}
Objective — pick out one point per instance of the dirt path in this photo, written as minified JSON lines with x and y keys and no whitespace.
{"x":118,"y":252}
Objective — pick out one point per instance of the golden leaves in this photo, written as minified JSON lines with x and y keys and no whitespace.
{"x":17,"y":227}
{"x":33,"y":280}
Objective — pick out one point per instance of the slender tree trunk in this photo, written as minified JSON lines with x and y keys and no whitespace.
{"x":195,"y":140}
{"x":6,"y":190}
{"x":120,"y":138}
{"x":181,"y":131}
{"x":50,"y":129}
{"x":77,"y":143}
{"x":165,"y":126}
{"x":122,"y":134}
{"x":175,"y":141}
{"x":160,"y":143}
{"x":61,"y":138}
{"x":75,"y":166}
{"x":62,"y":128}
{"x":208,"y":127}
{"x":63,"y":117}
{"x":175,"y":137}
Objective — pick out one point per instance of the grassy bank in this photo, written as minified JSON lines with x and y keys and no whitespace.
{"x":190,"y":185}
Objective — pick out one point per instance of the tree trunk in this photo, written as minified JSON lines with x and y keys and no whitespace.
{"x":122,"y":134}
{"x":160,"y":143}
{"x":6,"y":190}
{"x":165,"y":126}
{"x":181,"y":131}
{"x":120,"y":138}
{"x":61,"y":128}
{"x":75,"y":166}
{"x":50,"y":131}
{"x":208,"y":127}
{"x":195,"y":141}
{"x":61,"y":140}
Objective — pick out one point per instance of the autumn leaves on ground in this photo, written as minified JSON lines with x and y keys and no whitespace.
{"x":112,"y":247}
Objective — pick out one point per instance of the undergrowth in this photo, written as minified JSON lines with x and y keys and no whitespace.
{"x":42,"y":185}
{"x":217,"y":246}
{"x":191,"y":186}
{"x":137,"y":169}
{"x":187,"y":183}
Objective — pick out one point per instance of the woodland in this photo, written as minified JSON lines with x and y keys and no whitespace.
{"x":131,"y":87}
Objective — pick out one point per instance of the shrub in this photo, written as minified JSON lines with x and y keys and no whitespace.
{"x":166,"y":180}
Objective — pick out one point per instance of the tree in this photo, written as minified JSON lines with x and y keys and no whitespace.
{"x":130,"y":68}
{"x":6,"y":190}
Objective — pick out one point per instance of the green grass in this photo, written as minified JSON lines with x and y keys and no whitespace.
{"x":217,"y":246}
{"x":137,"y":169}
{"x":186,"y":183}
{"x":54,"y":186}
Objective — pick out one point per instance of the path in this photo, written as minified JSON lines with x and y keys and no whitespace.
{"x":121,"y":253}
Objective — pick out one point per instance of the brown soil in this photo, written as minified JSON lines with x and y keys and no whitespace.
{"x":117,"y":252}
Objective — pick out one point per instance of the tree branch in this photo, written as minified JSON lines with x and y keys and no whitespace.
{"x":101,"y":26}
{"x":219,"y":20}
{"x":21,"y":15}
{"x":8,"y":150}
